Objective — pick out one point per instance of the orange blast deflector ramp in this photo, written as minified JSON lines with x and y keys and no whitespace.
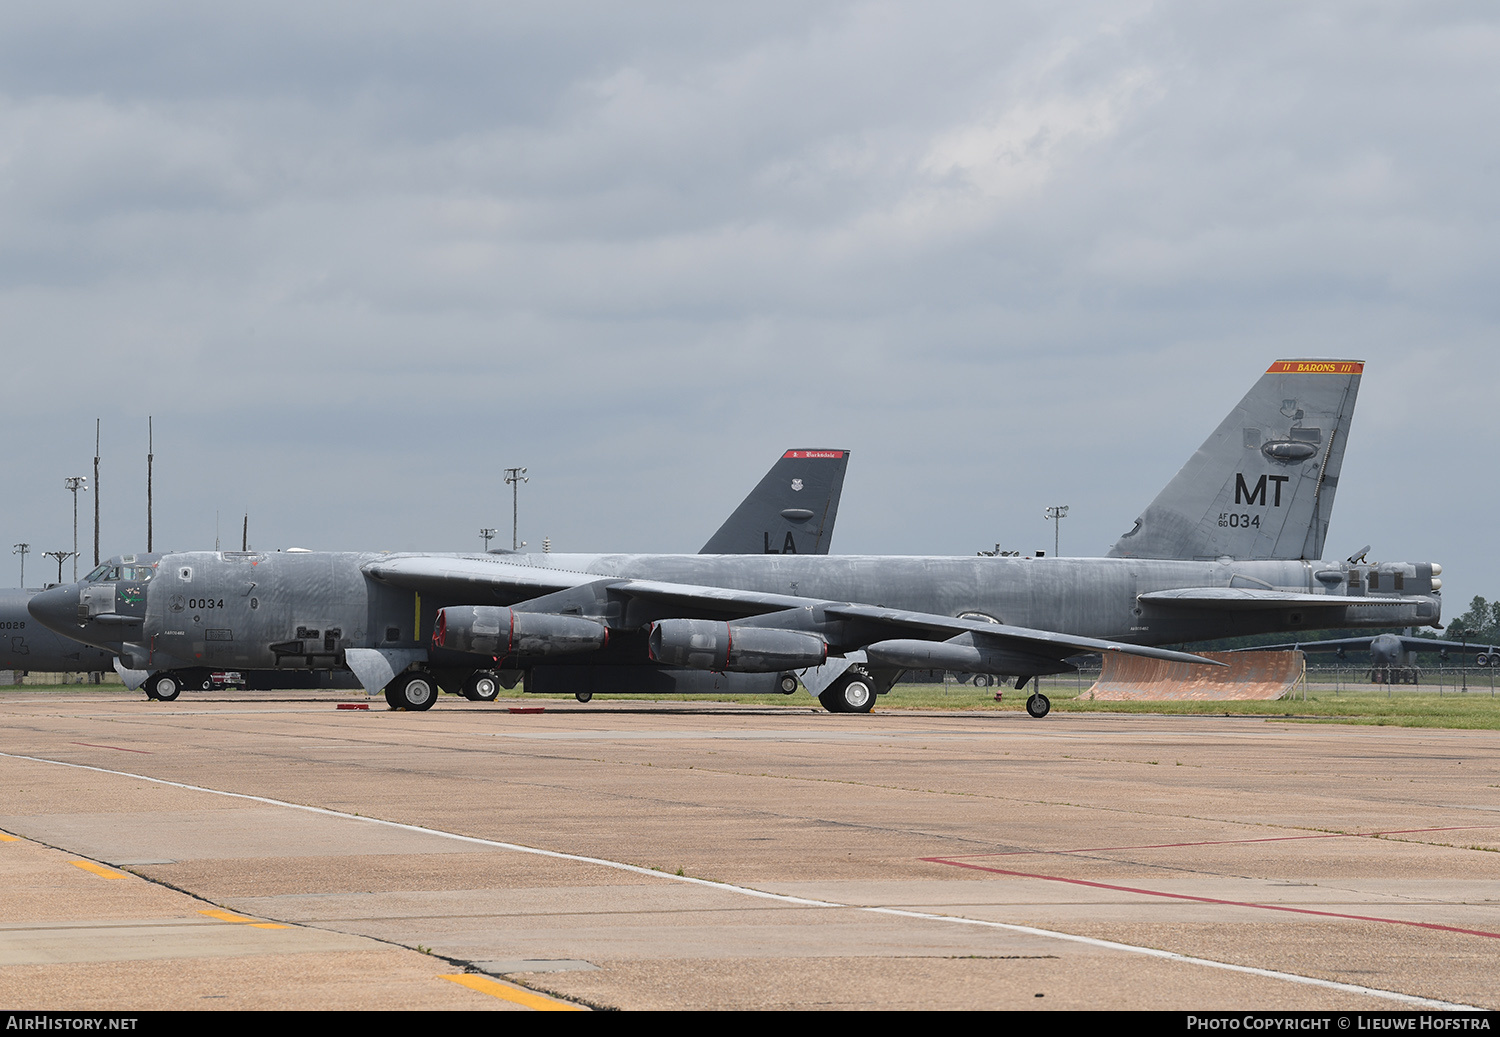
{"x":1245,"y":675}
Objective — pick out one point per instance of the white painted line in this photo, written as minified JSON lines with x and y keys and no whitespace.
{"x":1290,"y":977}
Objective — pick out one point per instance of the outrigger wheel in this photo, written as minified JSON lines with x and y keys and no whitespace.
{"x":414,"y":690}
{"x":854,"y":692}
{"x":1038,"y":705}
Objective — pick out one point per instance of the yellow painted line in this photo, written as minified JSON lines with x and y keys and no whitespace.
{"x":9,"y":838}
{"x":506,"y":992}
{"x":225,"y":916}
{"x":98,"y":869}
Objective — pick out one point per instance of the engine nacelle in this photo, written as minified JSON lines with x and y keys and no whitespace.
{"x":706,"y":644}
{"x":963,"y":657}
{"x":493,"y":630}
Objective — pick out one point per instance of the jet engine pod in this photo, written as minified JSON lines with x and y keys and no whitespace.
{"x":706,"y":644}
{"x":496,"y":631}
{"x":962,"y":655}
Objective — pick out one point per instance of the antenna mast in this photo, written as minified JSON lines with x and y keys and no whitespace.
{"x":96,"y":491}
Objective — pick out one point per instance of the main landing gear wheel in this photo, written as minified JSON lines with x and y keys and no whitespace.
{"x":1038,"y":705}
{"x":412,"y":691}
{"x":981,"y":680}
{"x":854,"y":692}
{"x":583,"y":696}
{"x":163,"y":686}
{"x":787,"y":683}
{"x":482,"y":686}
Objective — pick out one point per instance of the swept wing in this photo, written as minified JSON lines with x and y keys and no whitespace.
{"x":896,"y":638}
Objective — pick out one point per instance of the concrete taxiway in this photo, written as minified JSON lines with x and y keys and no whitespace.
{"x":263,"y":850}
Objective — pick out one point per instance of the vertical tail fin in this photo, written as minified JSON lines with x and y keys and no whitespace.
{"x":1262,"y":485}
{"x":791,"y":511}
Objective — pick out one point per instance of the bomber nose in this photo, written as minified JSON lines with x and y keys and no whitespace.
{"x":56,"y":609}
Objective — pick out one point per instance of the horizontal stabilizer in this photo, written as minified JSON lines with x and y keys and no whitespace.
{"x":1247,"y":599}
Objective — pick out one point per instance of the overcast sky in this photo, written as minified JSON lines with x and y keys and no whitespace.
{"x":356,"y":258}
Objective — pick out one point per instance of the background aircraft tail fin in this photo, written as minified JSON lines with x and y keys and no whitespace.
{"x":791,"y":511}
{"x":1262,"y":485}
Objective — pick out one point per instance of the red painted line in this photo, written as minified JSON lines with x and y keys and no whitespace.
{"x":528,"y":709}
{"x":1218,"y":842}
{"x":1212,"y":900}
{"x":121,"y":748}
{"x":352,"y":705}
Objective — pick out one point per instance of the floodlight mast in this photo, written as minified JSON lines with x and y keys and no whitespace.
{"x":488,"y":533}
{"x":22,"y":549}
{"x":1057,"y":513}
{"x":513,"y":478}
{"x":75,"y":483}
{"x":61,"y":556}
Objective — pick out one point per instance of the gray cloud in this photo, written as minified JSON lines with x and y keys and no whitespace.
{"x":357,"y":258}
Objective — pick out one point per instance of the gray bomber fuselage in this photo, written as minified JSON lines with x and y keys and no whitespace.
{"x":28,"y":645}
{"x":299,"y":610}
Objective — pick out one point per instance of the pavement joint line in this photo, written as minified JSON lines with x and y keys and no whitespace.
{"x":120,"y":748}
{"x":1211,"y":900}
{"x":1215,"y":842}
{"x":1090,"y":941}
{"x":494,"y":988}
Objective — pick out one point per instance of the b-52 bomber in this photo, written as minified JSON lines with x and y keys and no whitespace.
{"x":26,"y":645}
{"x":1393,"y":657}
{"x":792,"y":510}
{"x":1230,"y":546}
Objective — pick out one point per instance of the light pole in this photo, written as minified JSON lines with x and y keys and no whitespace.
{"x":61,"y":556}
{"x":1057,"y":513}
{"x":75,"y":483}
{"x":21,"y":550}
{"x":487,"y":533}
{"x":513,"y":478}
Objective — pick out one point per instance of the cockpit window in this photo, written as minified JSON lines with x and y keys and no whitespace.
{"x":97,"y":574}
{"x":139,"y":572}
